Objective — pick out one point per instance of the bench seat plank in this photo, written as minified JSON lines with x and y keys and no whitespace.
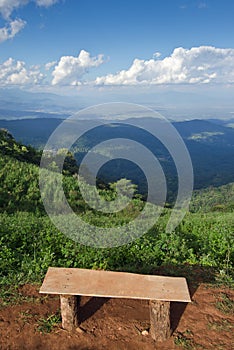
{"x":98,"y":283}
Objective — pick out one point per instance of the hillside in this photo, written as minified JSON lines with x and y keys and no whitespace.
{"x":201,"y":249}
{"x":213,"y":199}
{"x":10,"y":147}
{"x":204,"y":237}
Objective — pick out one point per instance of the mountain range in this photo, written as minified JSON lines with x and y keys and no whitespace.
{"x":210,"y":144}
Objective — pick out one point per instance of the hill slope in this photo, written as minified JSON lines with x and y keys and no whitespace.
{"x":29,"y":242}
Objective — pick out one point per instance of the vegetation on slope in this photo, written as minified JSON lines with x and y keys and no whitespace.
{"x":29,"y":242}
{"x":214,"y":199}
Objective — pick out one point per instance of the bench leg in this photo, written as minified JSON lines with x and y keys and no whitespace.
{"x":160,"y":329}
{"x":69,"y":308}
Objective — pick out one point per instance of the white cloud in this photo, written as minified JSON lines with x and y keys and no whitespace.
{"x":8,"y":6}
{"x":12,"y":27}
{"x":204,"y":64}
{"x":10,"y":30}
{"x":70,"y":69}
{"x":46,"y":3}
{"x":16,"y":73}
{"x":157,"y":54}
{"x":198,"y":65}
{"x":50,"y":65}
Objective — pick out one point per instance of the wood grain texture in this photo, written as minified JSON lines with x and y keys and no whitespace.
{"x":160,"y":329}
{"x":74,"y":281}
{"x":69,"y":309}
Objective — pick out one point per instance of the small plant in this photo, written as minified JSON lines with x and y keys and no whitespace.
{"x":25,"y":317}
{"x":46,"y":325}
{"x":184,"y":340}
{"x":9,"y":295}
{"x":226,"y":305}
{"x":223,"y":325}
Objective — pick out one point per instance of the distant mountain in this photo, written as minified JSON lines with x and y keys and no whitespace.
{"x":206,"y":132}
{"x":34,"y":132}
{"x":8,"y":114}
{"x":225,"y":122}
{"x":175,"y":105}
{"x":210,"y":144}
{"x":17,"y":100}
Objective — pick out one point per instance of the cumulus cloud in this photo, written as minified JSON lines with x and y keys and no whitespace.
{"x":70,"y":69}
{"x":204,"y":64}
{"x":10,"y":30}
{"x":198,"y":65}
{"x":14,"y":72}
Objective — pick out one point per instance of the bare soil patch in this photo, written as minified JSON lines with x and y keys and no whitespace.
{"x":33,"y":323}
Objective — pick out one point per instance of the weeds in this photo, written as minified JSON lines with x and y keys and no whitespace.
{"x":223,"y":325}
{"x":25,"y":317}
{"x":226,"y":304}
{"x":46,"y":325}
{"x":9,"y":295}
{"x":185,"y":340}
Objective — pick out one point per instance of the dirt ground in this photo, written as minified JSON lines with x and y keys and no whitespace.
{"x":33,"y":323}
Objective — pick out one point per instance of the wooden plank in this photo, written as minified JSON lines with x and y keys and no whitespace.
{"x":74,"y":281}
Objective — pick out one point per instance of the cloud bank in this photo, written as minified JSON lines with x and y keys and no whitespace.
{"x":198,"y":65}
{"x":16,"y":73}
{"x":70,"y":70}
{"x":204,"y":64}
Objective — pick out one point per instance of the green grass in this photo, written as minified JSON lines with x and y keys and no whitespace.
{"x":46,"y":325}
{"x":220,"y":326}
{"x":26,"y":317}
{"x":185,"y":340}
{"x":226,"y":304}
{"x":9,"y":295}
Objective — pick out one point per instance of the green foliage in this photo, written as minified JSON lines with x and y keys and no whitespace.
{"x":10,"y":147}
{"x":225,"y":304}
{"x":19,"y":186}
{"x":210,"y":237}
{"x":30,"y":243}
{"x":54,"y":160}
{"x":46,"y":325}
{"x":221,"y":326}
{"x":185,"y":340}
{"x":10,"y":295}
{"x":214,"y":199}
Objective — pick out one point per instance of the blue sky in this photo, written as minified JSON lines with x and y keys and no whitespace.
{"x":147,"y":44}
{"x":120,"y":29}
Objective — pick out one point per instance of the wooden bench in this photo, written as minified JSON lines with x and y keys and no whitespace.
{"x":70,"y":283}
